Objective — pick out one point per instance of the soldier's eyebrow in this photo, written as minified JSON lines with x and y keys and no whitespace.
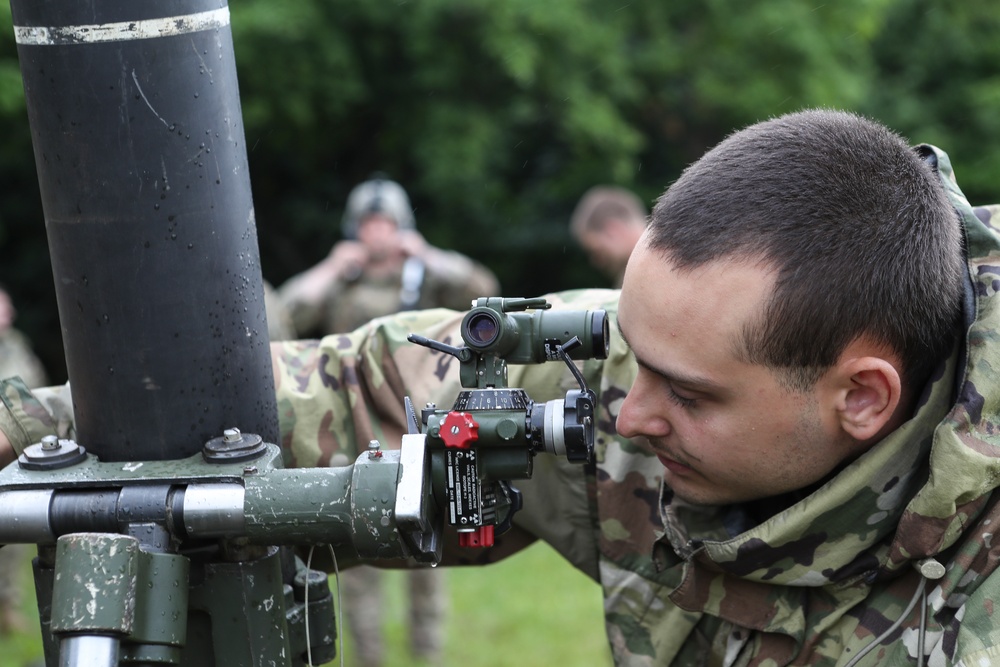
{"x":693,"y":382}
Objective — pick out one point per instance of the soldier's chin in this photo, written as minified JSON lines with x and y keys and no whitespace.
{"x":692,"y":494}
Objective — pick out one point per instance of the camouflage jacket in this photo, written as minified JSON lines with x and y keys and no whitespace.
{"x":17,"y":358}
{"x":445,"y":279}
{"x":892,"y":555}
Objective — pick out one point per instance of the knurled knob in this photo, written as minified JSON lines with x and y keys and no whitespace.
{"x":459,"y":429}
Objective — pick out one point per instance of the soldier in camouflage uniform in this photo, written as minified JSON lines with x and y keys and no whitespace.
{"x":769,"y":487}
{"x":384,"y":266}
{"x":279,"y":322}
{"x":16,"y":358}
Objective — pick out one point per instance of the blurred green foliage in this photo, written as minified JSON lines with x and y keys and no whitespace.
{"x":496,"y":116}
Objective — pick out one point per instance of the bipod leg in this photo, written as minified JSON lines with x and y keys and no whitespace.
{"x":113,"y":603}
{"x":93,"y":598}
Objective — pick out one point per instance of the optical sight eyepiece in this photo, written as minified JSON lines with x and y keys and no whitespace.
{"x":482,"y":329}
{"x":505,"y":329}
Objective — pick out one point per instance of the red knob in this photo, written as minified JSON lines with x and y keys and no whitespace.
{"x":480,"y":537}
{"x":459,"y":429}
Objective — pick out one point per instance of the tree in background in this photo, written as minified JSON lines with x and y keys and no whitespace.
{"x":497,"y":116}
{"x":939,"y":82}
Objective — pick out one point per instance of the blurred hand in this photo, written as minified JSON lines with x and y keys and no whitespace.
{"x":7,"y":454}
{"x":412,"y":243}
{"x":347,"y":259}
{"x":7,"y":312}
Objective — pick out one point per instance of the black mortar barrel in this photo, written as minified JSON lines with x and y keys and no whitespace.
{"x":139,"y":145}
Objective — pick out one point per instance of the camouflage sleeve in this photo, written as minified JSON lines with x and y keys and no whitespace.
{"x":336,"y":394}
{"x":303,"y":297}
{"x":27,"y":415}
{"x":19,"y":359}
{"x":279,"y":322}
{"x":988,"y":214}
{"x":303,"y":316}
{"x":975,"y":635}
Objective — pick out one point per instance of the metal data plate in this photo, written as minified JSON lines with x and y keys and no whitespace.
{"x":464,"y":499}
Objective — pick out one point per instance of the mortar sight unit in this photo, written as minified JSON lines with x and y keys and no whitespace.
{"x":492,"y":431}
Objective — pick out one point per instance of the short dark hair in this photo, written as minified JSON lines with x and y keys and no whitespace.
{"x":856,"y":224}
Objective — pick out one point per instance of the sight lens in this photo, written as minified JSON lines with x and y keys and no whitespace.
{"x":482,"y":328}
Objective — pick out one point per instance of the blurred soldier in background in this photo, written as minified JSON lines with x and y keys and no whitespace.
{"x":383,"y":266}
{"x":16,"y":358}
{"x":279,"y":322}
{"x":607,"y":223}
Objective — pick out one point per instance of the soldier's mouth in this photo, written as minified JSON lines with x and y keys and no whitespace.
{"x":675,"y":466}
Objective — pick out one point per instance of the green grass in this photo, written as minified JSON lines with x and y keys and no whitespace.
{"x":25,"y":648}
{"x":532,"y":609}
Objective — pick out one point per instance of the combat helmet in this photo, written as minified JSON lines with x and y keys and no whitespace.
{"x":378,"y":195}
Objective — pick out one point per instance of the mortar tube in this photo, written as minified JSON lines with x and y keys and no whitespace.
{"x":141,"y":159}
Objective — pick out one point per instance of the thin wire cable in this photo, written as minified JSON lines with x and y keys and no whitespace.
{"x":892,"y":628}
{"x":309,"y":560}
{"x":923,"y":627}
{"x":340,"y":605}
{"x":337,"y":612}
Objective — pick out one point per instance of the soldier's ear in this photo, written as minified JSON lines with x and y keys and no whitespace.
{"x":869,"y":391}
